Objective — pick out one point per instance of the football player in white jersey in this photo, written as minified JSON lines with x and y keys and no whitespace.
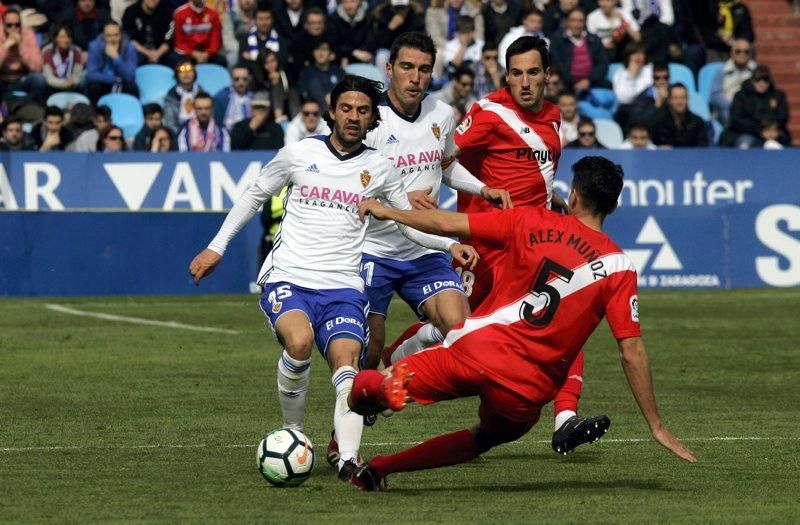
{"x":313,"y":291}
{"x":414,"y":135}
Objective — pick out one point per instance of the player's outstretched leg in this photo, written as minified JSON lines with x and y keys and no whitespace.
{"x":374,"y":391}
{"x":425,"y":337}
{"x":387,"y":352}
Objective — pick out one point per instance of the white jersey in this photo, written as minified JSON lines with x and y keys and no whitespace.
{"x":321,"y":238}
{"x":416,"y":147}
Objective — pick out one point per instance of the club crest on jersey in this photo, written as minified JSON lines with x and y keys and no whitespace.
{"x":365,"y":178}
{"x":464,"y":126}
{"x":437,"y":132}
{"x":276,"y":307}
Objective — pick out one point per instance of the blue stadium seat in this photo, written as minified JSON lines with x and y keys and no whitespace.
{"x":699,"y":106}
{"x":680,"y":74}
{"x":717,"y":129}
{"x":367,"y":71}
{"x":65,"y":99}
{"x":212,"y":78}
{"x":154,"y":81}
{"x":705,"y":77}
{"x":609,"y":134}
{"x":612,"y":70}
{"x":126,"y":112}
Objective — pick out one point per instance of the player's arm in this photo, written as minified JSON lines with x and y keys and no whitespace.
{"x":433,"y":221}
{"x":559,"y":204}
{"x":636,"y":365}
{"x":270,"y":181}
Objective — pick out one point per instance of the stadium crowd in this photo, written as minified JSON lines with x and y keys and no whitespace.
{"x":114,"y":75}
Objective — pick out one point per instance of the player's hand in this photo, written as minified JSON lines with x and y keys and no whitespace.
{"x":204,"y":264}
{"x":498,"y":198}
{"x":465,"y":255}
{"x":372,"y":207}
{"x":671,"y":443}
{"x":421,"y":199}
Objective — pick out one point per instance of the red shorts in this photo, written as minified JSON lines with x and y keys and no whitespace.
{"x":479,"y":281}
{"x":439,"y":375}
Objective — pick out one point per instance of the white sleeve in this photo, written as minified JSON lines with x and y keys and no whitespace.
{"x":460,"y":179}
{"x":394,"y":193}
{"x":270,"y":181}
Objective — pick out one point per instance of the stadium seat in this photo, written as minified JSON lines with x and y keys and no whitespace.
{"x":699,"y":106}
{"x":609,"y":134}
{"x":718,"y":129}
{"x":65,"y":99}
{"x":680,"y":74}
{"x":367,"y":71}
{"x":705,"y":77}
{"x":601,"y":103}
{"x":285,"y":125}
{"x":612,"y":70}
{"x":126,"y":112}
{"x":212,"y":78}
{"x":154,"y":81}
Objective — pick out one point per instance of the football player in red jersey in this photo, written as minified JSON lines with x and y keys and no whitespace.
{"x":510,"y":140}
{"x":561,"y":276}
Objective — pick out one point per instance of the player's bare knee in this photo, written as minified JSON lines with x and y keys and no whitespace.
{"x":298,"y":345}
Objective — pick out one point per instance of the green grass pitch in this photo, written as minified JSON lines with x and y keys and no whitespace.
{"x":106,"y":421}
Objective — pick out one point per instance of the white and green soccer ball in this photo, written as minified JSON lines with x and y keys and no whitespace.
{"x":285,"y":457}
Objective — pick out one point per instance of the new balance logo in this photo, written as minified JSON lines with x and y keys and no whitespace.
{"x":524,"y":130}
{"x":313,"y":168}
{"x":392,"y":139}
{"x":665,"y":256}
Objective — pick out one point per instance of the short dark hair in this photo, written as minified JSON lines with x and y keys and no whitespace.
{"x":528,"y":12}
{"x":204,"y":94}
{"x":631,"y":49}
{"x":567,"y":92}
{"x":262,"y":7}
{"x":489,"y":45}
{"x":53,"y":111}
{"x":151,"y":109}
{"x":59,"y":28}
{"x":584,"y":121}
{"x":371,"y":88}
{"x":111,"y":23}
{"x":103,"y":111}
{"x":465,"y":23}
{"x":313,"y":11}
{"x":528,"y":43}
{"x":413,"y":40}
{"x":661,"y":67}
{"x":640,"y":125}
{"x":677,"y":85}
{"x":12,"y":120}
{"x":463,"y":70}
{"x":12,"y":11}
{"x":599,"y":183}
{"x":319,"y":41}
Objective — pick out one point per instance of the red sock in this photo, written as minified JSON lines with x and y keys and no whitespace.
{"x":409,"y":333}
{"x":365,"y":397}
{"x":567,"y":398}
{"x":441,"y":451}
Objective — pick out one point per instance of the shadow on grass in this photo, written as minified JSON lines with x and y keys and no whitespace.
{"x":532,"y":486}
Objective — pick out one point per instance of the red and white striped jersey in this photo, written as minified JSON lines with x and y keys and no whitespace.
{"x":559,"y":279}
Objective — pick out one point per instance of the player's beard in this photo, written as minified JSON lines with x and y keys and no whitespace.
{"x":344,"y":140}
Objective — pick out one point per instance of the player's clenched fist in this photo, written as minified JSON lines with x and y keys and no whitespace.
{"x":374,"y":208}
{"x":464,"y":254}
{"x":204,"y":264}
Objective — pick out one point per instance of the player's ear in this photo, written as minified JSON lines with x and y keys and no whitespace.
{"x":572,"y":199}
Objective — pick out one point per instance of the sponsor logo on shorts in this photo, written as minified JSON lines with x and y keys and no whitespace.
{"x":343,"y":320}
{"x":634,"y":300}
{"x":440,"y":285}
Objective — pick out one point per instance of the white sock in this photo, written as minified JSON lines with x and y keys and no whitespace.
{"x":292,"y":389}
{"x":427,"y":336}
{"x":347,"y":424}
{"x":562,"y":417}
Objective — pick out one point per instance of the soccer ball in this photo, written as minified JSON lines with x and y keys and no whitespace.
{"x":285,"y":457}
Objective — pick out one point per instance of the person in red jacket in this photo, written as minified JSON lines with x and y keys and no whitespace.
{"x":198,"y":33}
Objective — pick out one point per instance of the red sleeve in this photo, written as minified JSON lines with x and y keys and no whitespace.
{"x":216,"y":34}
{"x":494,"y":227}
{"x":622,"y":307}
{"x":180,"y":43}
{"x":475,"y":130}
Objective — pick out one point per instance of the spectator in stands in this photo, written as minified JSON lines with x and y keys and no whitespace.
{"x":201,"y":133}
{"x":87,"y":21}
{"x":118,"y":7}
{"x":302,"y":50}
{"x":198,"y":33}
{"x":677,"y":127}
{"x":14,"y":138}
{"x":112,"y":64}
{"x":232,"y":103}
{"x":63,"y":62}
{"x":693,"y":33}
{"x":554,"y":86}
{"x":149,"y":25}
{"x":770,"y":134}
{"x":629,"y":81}
{"x":351,"y":28}
{"x":81,"y":118}
{"x":111,"y":140}
{"x":488,"y":73}
{"x":262,"y":35}
{"x":162,"y":141}
{"x":317,"y":80}
{"x":757,"y":101}
{"x":230,"y":44}
{"x":442,"y":23}
{"x":271,"y":78}
{"x":499,"y":16}
{"x":556,"y":14}
{"x":728,"y":80}
{"x":20,"y":58}
{"x":50,"y":134}
{"x":649,"y":102}
{"x":178,"y":104}
{"x":260,"y":131}
{"x":587,"y":136}
{"x":395,"y":17}
{"x":638,"y":137}
{"x":735,"y":21}
{"x":289,"y":19}
{"x":655,"y":19}
{"x":87,"y":141}
{"x":568,"y":106}
{"x":461,"y":90}
{"x":464,"y":49}
{"x":153,"y":116}
{"x":580,"y":56}
{"x":615,"y":27}
{"x":532,"y":23}
{"x":243,"y":16}
{"x":307,"y":123}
